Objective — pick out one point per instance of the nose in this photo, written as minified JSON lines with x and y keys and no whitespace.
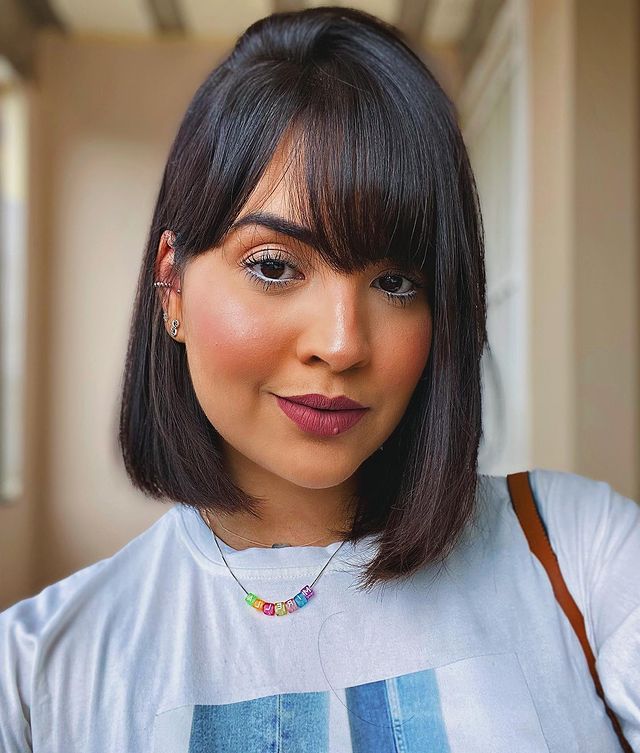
{"x":335,"y":327}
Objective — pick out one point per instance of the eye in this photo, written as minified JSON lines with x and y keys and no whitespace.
{"x":270,"y":264}
{"x":394,"y":280}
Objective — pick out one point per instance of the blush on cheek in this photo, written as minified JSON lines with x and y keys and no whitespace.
{"x":229,"y":338}
{"x":412,"y":351}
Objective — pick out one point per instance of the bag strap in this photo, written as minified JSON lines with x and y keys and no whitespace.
{"x":534,"y":529}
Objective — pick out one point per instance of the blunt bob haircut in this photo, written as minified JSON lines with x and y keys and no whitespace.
{"x":382,"y":173}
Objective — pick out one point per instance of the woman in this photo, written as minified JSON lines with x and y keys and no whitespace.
{"x":303,"y":381}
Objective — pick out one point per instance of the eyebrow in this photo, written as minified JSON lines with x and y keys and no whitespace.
{"x":277,"y":224}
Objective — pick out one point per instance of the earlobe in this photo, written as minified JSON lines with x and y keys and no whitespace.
{"x":175,"y":323}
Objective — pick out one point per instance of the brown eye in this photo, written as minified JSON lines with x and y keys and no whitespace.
{"x":270,"y":265}
{"x":394,"y":281}
{"x":273,"y":268}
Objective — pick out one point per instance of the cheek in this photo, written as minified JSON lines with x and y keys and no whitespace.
{"x":227,"y":340}
{"x":406,"y":352}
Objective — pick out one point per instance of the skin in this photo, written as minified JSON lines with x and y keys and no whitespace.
{"x":326,"y":332}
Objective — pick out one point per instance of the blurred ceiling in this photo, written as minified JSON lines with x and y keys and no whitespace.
{"x":426,"y":23}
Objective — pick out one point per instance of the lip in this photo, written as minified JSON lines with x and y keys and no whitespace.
{"x":323,"y":402}
{"x":324,"y":423}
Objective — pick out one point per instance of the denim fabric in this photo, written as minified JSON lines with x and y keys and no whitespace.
{"x":400,"y":714}
{"x":296,"y":722}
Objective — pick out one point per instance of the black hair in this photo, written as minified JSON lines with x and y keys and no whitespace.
{"x":384,"y":173}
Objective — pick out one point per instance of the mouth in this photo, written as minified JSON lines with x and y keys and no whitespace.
{"x":324,"y":402}
{"x":321,"y":421}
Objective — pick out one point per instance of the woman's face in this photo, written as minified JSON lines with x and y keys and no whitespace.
{"x":318,"y":332}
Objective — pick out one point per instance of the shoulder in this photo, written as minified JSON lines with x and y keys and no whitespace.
{"x":576,"y":509}
{"x":31,"y":627}
{"x":25,"y":624}
{"x":595,"y":533}
{"x":586,"y":505}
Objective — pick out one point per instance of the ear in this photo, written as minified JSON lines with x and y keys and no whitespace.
{"x":170,"y":297}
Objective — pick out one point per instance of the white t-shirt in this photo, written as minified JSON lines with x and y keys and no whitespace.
{"x":155,"y":649}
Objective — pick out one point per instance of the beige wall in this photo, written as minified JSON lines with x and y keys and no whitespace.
{"x":605,"y":217}
{"x":107,"y":114}
{"x":584,"y":238}
{"x":551,"y":126}
{"x":17,"y":518}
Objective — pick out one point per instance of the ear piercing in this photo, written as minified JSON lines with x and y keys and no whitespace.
{"x":171,"y":239}
{"x":160,"y":284}
{"x":174,"y":323}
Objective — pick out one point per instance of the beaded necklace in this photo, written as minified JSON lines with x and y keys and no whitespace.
{"x":278,"y":608}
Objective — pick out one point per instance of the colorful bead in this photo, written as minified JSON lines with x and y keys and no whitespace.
{"x":280,"y":608}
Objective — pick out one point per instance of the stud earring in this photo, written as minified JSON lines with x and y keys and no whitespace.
{"x":165,"y":316}
{"x":174,"y":327}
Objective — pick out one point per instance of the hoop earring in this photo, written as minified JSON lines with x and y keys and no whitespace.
{"x":174,"y":327}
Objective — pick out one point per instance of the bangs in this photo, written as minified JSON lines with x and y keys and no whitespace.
{"x":358,"y":163}
{"x":361,"y":183}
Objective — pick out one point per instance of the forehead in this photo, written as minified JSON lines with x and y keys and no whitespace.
{"x":274,"y":204}
{"x":349,"y":207}
{"x":274,"y":192}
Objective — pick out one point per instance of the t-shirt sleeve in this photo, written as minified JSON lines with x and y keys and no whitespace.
{"x":23,"y":630}
{"x":17,"y":651}
{"x":595,"y":532}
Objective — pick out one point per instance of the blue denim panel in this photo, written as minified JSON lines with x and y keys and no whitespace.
{"x":369,"y":718}
{"x":288,"y":723}
{"x":398,"y":715}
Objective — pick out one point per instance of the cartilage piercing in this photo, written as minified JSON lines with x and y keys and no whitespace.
{"x":162,"y":284}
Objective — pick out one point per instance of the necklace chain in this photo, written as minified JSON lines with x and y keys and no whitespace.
{"x":233,"y":574}
{"x":269,"y":546}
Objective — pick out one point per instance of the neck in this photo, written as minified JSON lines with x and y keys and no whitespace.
{"x":289,"y":514}
{"x":230,"y":530}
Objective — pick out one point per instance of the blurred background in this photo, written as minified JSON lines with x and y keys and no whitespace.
{"x":91,"y":94}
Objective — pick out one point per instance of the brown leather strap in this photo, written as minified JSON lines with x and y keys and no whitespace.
{"x":526,"y":509}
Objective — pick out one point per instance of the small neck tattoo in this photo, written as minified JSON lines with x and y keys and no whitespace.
{"x":279,"y":546}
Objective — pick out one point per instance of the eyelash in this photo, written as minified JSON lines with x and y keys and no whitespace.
{"x":398,"y":299}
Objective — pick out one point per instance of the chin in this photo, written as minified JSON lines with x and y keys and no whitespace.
{"x":317,"y":475}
